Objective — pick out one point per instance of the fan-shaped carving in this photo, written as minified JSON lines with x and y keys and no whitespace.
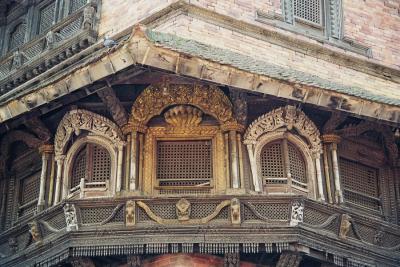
{"x":155,"y":98}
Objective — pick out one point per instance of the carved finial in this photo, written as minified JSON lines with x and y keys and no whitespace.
{"x":70,"y":217}
{"x":297,"y":213}
{"x":130,"y":219}
{"x":345,"y":224}
{"x":183,"y":116}
{"x":235,"y":211}
{"x":183,"y":208}
{"x":35,"y":232}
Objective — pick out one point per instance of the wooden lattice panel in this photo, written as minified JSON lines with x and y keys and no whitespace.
{"x":359,"y":177}
{"x":17,"y":37}
{"x":297,"y":165}
{"x":46,"y":17}
{"x":76,"y":4}
{"x":79,"y":169}
{"x":101,"y":164}
{"x":30,"y":188}
{"x":308,"y":10}
{"x":184,"y":163}
{"x":272,"y":161}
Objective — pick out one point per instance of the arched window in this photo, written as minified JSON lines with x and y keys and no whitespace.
{"x":17,"y":36}
{"x":282,"y":167}
{"x":92,"y":164}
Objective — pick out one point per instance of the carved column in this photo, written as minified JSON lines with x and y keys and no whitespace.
{"x":253,"y":167}
{"x":134,"y":152}
{"x":234,"y":141}
{"x":119,"y":168}
{"x":60,"y":165}
{"x":231,"y":260}
{"x":331,"y":141}
{"x":45,"y":151}
{"x":319,"y":177}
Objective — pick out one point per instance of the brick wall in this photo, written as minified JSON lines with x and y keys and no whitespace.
{"x":373,"y":23}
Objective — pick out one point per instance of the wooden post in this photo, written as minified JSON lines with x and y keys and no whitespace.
{"x":60,"y":163}
{"x":319,"y":177}
{"x":46,"y":151}
{"x":234,"y":160}
{"x":133,"y":162}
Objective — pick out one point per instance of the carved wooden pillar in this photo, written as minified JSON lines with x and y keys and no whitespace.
{"x":60,"y":165}
{"x":330,"y":142}
{"x":45,"y":151}
{"x":319,"y":177}
{"x":134,"y":154}
{"x":289,"y":259}
{"x":253,"y":167}
{"x":234,"y":141}
{"x":120,"y":160}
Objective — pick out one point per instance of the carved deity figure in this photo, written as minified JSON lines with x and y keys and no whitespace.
{"x":183,"y":208}
{"x":235,"y":211}
{"x":130,"y":213}
{"x":297,"y":213}
{"x":51,"y":39}
{"x":70,"y":217}
{"x":18,"y":59}
{"x":345,"y":224}
{"x":88,"y":17}
{"x":35,"y":232}
{"x":378,"y":237}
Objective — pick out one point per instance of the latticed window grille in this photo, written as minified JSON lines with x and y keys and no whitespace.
{"x":46,"y":17}
{"x":17,"y":37}
{"x":92,"y":163}
{"x":76,"y":4}
{"x":308,"y":10}
{"x":274,"y":167}
{"x":360,"y":183}
{"x":29,"y":194}
{"x":184,"y":163}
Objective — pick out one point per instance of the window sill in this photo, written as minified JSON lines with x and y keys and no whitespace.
{"x":318,"y":35}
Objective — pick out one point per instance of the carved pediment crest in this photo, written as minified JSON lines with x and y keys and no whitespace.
{"x":183,"y":208}
{"x":155,"y":98}
{"x":288,"y":117}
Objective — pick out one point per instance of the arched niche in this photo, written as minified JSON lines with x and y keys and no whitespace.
{"x":293,"y":125}
{"x":101,"y":131}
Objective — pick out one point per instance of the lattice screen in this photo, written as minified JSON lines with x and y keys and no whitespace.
{"x":17,"y":37}
{"x":101,"y":164}
{"x":76,"y":4}
{"x":79,"y":169}
{"x":93,"y":163}
{"x":272,"y":161}
{"x":297,"y":165}
{"x":46,"y":17}
{"x":184,"y":163}
{"x":30,"y":188}
{"x":308,"y":10}
{"x":360,"y":183}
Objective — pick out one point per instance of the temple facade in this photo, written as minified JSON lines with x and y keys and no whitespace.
{"x":200,"y":133}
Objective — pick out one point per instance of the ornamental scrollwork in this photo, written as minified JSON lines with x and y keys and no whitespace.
{"x":77,"y":120}
{"x":288,"y":117}
{"x":155,"y":98}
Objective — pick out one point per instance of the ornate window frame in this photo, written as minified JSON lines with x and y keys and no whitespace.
{"x":277,"y":124}
{"x":157,"y":98}
{"x":101,"y":131}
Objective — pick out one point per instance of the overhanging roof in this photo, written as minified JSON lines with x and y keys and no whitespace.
{"x":191,"y":58}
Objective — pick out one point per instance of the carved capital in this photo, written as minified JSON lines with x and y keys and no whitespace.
{"x":331,"y":138}
{"x":46,"y":149}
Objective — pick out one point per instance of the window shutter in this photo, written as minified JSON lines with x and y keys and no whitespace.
{"x":29,"y":193}
{"x":17,"y":37}
{"x":184,"y":163}
{"x":46,"y":17}
{"x":308,"y":10}
{"x":101,"y":169}
{"x":297,"y":166}
{"x":272,"y":165}
{"x":80,"y":168}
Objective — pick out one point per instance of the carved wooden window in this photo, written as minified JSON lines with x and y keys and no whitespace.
{"x":93,"y":164}
{"x":76,"y":4}
{"x":17,"y":36}
{"x":184,"y":163}
{"x":360,"y":184}
{"x":46,"y":17}
{"x":283,"y":164}
{"x":309,"y":11}
{"x":29,"y":194}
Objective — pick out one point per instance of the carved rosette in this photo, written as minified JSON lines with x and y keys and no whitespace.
{"x":285,"y":117}
{"x":77,"y":120}
{"x":155,"y":98}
